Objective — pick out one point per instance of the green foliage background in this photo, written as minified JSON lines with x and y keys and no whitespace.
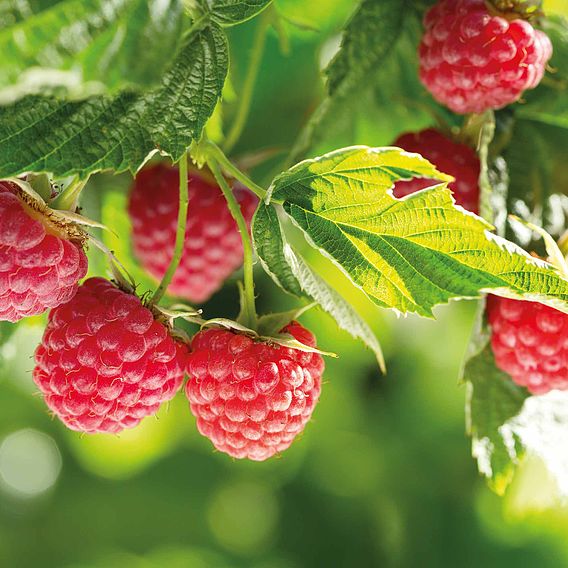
{"x":383,"y":474}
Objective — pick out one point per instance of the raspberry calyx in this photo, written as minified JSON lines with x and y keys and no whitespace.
{"x":41,"y":255}
{"x":513,"y":9}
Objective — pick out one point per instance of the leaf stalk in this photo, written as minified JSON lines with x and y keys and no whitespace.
{"x":248,"y":309}
{"x":219,"y":156}
{"x":180,"y":232}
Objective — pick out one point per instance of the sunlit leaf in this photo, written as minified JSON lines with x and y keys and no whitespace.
{"x":291,"y":272}
{"x":408,"y":254}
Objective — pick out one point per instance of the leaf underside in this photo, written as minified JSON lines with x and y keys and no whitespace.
{"x":493,"y":400}
{"x":291,"y":272}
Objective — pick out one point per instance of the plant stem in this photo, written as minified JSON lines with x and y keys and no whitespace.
{"x":248,"y":309}
{"x":278,"y":26}
{"x":482,"y":128}
{"x":250,"y":80}
{"x":308,"y":135}
{"x":180,"y":232}
{"x":218,"y":155}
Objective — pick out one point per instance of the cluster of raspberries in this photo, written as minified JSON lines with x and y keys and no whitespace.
{"x":472,"y":60}
{"x":107,"y":360}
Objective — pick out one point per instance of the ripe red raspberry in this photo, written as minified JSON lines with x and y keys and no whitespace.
{"x":40,"y":265}
{"x":530,"y":343}
{"x":104,"y":362}
{"x":251,"y":399}
{"x":472,"y":61}
{"x":452,"y":158}
{"x":213,"y":247}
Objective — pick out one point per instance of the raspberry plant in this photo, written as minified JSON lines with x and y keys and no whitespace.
{"x":411,"y":227}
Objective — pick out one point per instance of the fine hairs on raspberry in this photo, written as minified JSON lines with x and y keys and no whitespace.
{"x":530,"y":343}
{"x":104,"y":362}
{"x":472,"y":61}
{"x":39,"y":267}
{"x":252,"y":398}
{"x":453,"y":158}
{"x":213,"y":248}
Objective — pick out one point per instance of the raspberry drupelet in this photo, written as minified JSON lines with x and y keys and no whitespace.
{"x":472,"y":60}
{"x":452,"y":158}
{"x":105,"y":362}
{"x":530,"y":343}
{"x":40,"y":263}
{"x":213,"y":248}
{"x":252,"y":398}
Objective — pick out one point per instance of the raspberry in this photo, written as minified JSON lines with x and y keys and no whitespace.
{"x":458,"y":160}
{"x":104,"y":362}
{"x":530,"y":343}
{"x":213,"y":248}
{"x":39,"y":265}
{"x":251,"y":399}
{"x":472,"y":61}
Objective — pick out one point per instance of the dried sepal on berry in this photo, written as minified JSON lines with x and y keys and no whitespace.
{"x":270,"y":334}
{"x":42,"y":254}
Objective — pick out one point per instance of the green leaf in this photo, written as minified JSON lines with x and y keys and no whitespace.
{"x":506,"y":423}
{"x":231,"y":12}
{"x":333,"y":303}
{"x":86,"y":45}
{"x":368,"y":38}
{"x":548,"y":103}
{"x":376,"y":59}
{"x":6,"y":330}
{"x":291,"y":272}
{"x":538,"y":177}
{"x":42,"y":134}
{"x":493,"y":399}
{"x":269,"y":245}
{"x":409,"y":254}
{"x":272,"y":324}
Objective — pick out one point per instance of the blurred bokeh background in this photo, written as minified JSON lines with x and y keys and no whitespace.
{"x":383,"y":475}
